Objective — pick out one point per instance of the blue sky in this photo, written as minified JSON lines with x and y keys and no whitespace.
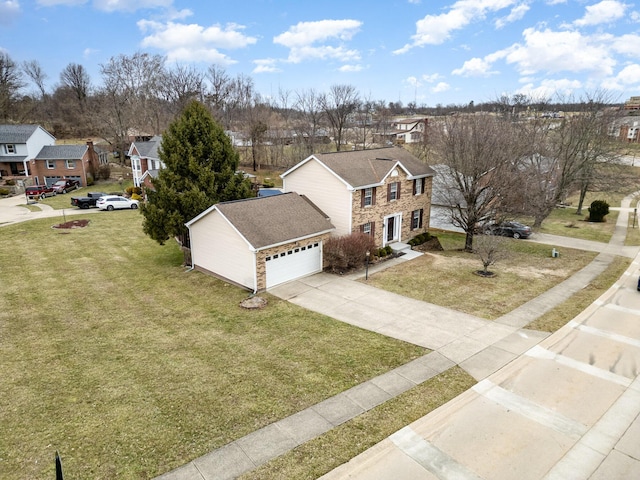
{"x":428,"y":51}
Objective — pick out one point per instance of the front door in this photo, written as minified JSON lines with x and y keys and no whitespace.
{"x":391,"y":229}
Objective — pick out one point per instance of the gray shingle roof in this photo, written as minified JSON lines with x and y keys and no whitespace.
{"x":62,"y":152}
{"x":369,"y":167}
{"x":16,"y":133}
{"x":150,"y":148}
{"x":266,"y":221}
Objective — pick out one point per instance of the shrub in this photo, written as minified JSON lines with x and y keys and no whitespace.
{"x":4,"y":191}
{"x":131,"y":191}
{"x":388,"y":249}
{"x":348,"y":251}
{"x":598,"y":210}
{"x":10,"y":181}
{"x":89,"y":180}
{"x":135,"y":196}
{"x":104,"y":172}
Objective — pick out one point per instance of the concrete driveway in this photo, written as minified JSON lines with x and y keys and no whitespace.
{"x":14,"y":210}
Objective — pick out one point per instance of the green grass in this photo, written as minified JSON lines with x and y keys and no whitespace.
{"x":448,"y":279}
{"x":564,"y":221}
{"x":321,"y":455}
{"x":129,"y":366}
{"x":63,"y":201}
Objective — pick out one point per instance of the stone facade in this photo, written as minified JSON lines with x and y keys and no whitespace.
{"x":406,"y":204}
{"x":261,"y":264}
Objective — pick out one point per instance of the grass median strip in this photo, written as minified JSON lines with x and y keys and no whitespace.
{"x":341,"y":444}
{"x":129,"y":366}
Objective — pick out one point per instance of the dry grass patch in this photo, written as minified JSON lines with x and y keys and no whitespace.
{"x":129,"y":366}
{"x":341,"y":444}
{"x":568,"y":310}
{"x":447,"y":278}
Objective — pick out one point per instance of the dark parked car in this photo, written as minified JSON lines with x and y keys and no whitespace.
{"x":65,"y":184}
{"x":510,"y":229}
{"x":87,"y":202}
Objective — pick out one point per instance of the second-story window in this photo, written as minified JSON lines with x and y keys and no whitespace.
{"x":71,"y":164}
{"x":51,"y":164}
{"x":393,"y":192}
{"x":10,"y":148}
{"x":418,"y":185}
{"x":368,"y":197}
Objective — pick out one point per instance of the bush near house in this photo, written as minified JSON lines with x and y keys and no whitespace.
{"x":348,"y":251}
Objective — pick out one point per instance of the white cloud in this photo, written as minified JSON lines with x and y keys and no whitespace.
{"x":9,"y":10}
{"x":350,"y":68}
{"x":627,"y":45}
{"x":476,"y":67}
{"x":192,"y":42}
{"x":266,"y":65}
{"x":413,"y":82}
{"x":441,"y":87}
{"x":548,"y":89}
{"x":129,"y":5}
{"x":629,"y":76}
{"x":436,"y":29}
{"x":517,"y":13}
{"x":301,"y":39}
{"x":606,"y":11}
{"x":431,"y":78}
{"x":552,"y":52}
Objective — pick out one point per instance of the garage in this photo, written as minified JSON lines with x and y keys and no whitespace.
{"x":293,"y":263}
{"x":260,"y":242}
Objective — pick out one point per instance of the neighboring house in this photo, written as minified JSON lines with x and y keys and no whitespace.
{"x":18,"y":145}
{"x":444,"y":197}
{"x":145,"y":160}
{"x":77,"y":162}
{"x":626,"y":129}
{"x":410,"y":130}
{"x":384,"y":192}
{"x":258,"y":243}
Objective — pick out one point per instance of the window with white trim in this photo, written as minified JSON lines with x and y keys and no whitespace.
{"x":70,"y":164}
{"x":368,"y":197}
{"x":51,"y":164}
{"x":10,"y":148}
{"x":416,"y":219}
{"x":419,"y":182}
{"x":366,"y":228}
{"x":393,"y":191}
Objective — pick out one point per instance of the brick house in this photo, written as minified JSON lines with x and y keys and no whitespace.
{"x":77,"y":162}
{"x":145,"y":160}
{"x":384,"y":192}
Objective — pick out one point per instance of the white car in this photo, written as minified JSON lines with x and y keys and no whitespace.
{"x":114,"y":202}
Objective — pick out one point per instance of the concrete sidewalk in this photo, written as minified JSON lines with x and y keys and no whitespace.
{"x":481,"y":448}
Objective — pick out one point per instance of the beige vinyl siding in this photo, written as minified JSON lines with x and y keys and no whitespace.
{"x":325,"y":190}
{"x":221,"y":250}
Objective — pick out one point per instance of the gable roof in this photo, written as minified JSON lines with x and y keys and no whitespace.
{"x":364,"y":168}
{"x":17,"y":133}
{"x":62,"y":152}
{"x":271,"y":221}
{"x":148,"y":149}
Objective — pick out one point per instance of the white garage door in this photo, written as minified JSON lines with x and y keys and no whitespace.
{"x":293,"y":263}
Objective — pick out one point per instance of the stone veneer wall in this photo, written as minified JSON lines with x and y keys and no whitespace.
{"x":261,"y":264}
{"x":407,"y":203}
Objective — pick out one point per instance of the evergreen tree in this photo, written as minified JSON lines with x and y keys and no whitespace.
{"x":200,"y":171}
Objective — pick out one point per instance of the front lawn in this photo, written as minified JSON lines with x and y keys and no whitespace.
{"x":130,"y":366}
{"x":447,"y":278}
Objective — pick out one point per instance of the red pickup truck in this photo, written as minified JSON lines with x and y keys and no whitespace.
{"x":65,"y":184}
{"x":39,"y":191}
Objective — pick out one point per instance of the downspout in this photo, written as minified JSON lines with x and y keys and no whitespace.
{"x":192,"y":264}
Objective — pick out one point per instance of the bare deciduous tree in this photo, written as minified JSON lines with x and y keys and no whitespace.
{"x":490,"y":249}
{"x":476,"y":158}
{"x":77,"y":79}
{"x":11,"y":81}
{"x":34,"y":71}
{"x":337,"y":106}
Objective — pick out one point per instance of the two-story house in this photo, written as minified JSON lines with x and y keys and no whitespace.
{"x":18,"y":145}
{"x":410,"y":130}
{"x":261,"y":242}
{"x":384,"y":192}
{"x":145,"y":160}
{"x":77,"y":162}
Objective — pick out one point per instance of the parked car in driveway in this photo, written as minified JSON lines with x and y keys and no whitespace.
{"x":116,"y":202}
{"x":509,"y":229}
{"x":87,"y":202}
{"x":65,"y":184}
{"x":39,"y":191}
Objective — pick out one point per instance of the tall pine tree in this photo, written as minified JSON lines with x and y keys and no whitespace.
{"x":200,"y":171}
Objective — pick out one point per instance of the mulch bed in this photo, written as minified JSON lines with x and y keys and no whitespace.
{"x":72,"y":224}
